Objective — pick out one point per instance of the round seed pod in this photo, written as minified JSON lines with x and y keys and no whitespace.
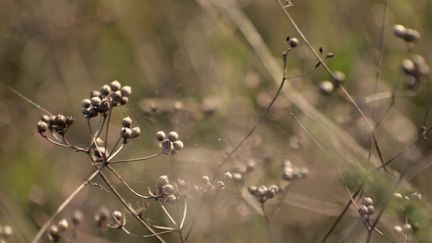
{"x":53,"y":233}
{"x":178,"y":145}
{"x":77,"y":217}
{"x":126,"y":132}
{"x":63,"y":225}
{"x":371,"y":209}
{"x":363,"y":210}
{"x":173,"y":136}
{"x":116,"y":96}
{"x":119,"y":219}
{"x":115,"y":85}
{"x":293,"y":42}
{"x":42,"y":126}
{"x":220,"y":185}
{"x":160,"y":136}
{"x":69,"y":120}
{"x":60,"y":120}
{"x":326,"y":87}
{"x":105,"y":90}
{"x":228,"y":176}
{"x":367,"y":201}
{"x":126,"y":91}
{"x":411,"y":35}
{"x":167,"y":189}
{"x":85,"y":103}
{"x":7,"y":231}
{"x":399,"y":30}
{"x":126,"y":122}
{"x":46,"y":118}
{"x":94,"y":93}
{"x":95,"y":101}
{"x":123,"y":100}
{"x":163,"y":180}
{"x":339,"y":77}
{"x":408,"y":66}
{"x":136,"y":131}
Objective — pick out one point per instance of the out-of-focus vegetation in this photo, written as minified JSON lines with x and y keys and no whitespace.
{"x":196,"y":67}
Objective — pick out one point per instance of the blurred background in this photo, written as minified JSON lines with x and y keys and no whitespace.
{"x":208,"y":69}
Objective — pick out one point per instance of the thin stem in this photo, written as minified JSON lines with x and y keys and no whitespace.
{"x":145,"y":236}
{"x":136,"y":159}
{"x":326,"y":67}
{"x":126,"y":184}
{"x":184,"y":214}
{"x":129,"y":207}
{"x":268,"y":223}
{"x":169,"y":215}
{"x":107,"y":129}
{"x":63,"y":206}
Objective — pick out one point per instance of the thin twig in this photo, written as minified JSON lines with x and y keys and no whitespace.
{"x":63,"y":206}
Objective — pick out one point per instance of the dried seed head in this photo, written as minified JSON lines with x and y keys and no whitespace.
{"x":136,"y":131}
{"x":167,"y":146}
{"x":42,"y":126}
{"x":220,"y":185}
{"x":126,"y":91}
{"x":398,"y":228}
{"x":330,"y":54}
{"x":326,"y":87}
{"x":94,"y":93}
{"x":171,"y":198}
{"x":160,"y":136}
{"x":117,"y":216}
{"x":363,"y":210}
{"x":126,"y":122}
{"x":205,"y":179}
{"x":178,"y":145}
{"x":251,"y":164}
{"x":399,"y":30}
{"x":167,"y":189}
{"x":95,"y":101}
{"x":367,"y":201}
{"x":115,"y":85}
{"x":101,"y":217}
{"x":60,"y":120}
{"x":99,"y":142}
{"x":293,"y":42}
{"x":228,"y":176}
{"x":173,"y":136}
{"x":53,"y":233}
{"x":85,"y":103}
{"x":408,"y":66}
{"x":397,"y":195}
{"x":237,"y":176}
{"x":126,"y":133}
{"x":116,"y":96}
{"x":411,"y":35}
{"x":371,"y":209}
{"x":123,"y":100}
{"x":69,"y":120}
{"x":63,"y":225}
{"x":77,"y":217}
{"x":163,"y":180}
{"x":339,"y":77}
{"x":105,"y":90}
{"x":406,"y":228}
{"x":46,"y":118}
{"x":7,"y":231}
{"x":252,"y":190}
